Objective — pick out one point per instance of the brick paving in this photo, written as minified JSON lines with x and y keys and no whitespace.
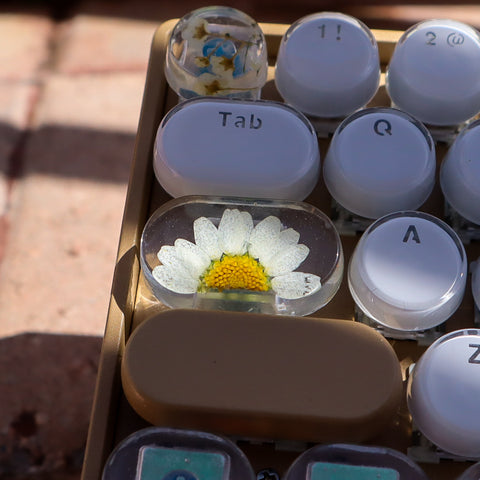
{"x":71,"y":83}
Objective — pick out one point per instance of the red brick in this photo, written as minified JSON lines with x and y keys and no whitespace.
{"x":97,"y":44}
{"x":25,"y":46}
{"x":67,"y":207}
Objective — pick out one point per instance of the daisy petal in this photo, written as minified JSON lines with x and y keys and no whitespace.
{"x":234,"y":231}
{"x":285,"y":238}
{"x":265,"y":232}
{"x":206,"y":237}
{"x":169,"y":257}
{"x":173,"y":280}
{"x":289,"y":236}
{"x":295,"y":285}
{"x":286,"y":260}
{"x":195,"y":260}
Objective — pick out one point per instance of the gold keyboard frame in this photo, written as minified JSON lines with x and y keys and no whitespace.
{"x":112,"y":418}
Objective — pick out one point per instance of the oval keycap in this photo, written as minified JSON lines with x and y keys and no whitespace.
{"x":443,"y":393}
{"x":257,"y":149}
{"x":265,"y":376}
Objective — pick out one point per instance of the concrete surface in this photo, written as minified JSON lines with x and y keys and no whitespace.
{"x":71,"y":83}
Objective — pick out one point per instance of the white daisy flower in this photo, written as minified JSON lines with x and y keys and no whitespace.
{"x":237,"y":255}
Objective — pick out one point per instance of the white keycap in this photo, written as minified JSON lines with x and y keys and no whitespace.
{"x":328,"y":65}
{"x":408,"y":271}
{"x":460,"y":174}
{"x":444,"y":391}
{"x":210,"y":146}
{"x":380,"y":160}
{"x":434,"y":70}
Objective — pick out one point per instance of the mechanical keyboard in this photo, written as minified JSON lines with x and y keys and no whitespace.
{"x":297,"y":290}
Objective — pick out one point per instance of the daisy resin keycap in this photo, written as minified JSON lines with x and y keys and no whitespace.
{"x":258,"y":149}
{"x":353,"y":462}
{"x":327,"y":65}
{"x":217,"y":51}
{"x":434,"y":70}
{"x":156,"y":453}
{"x":380,"y":160}
{"x":460,"y":183}
{"x":443,"y":393}
{"x":407,"y":274}
{"x":273,"y":257}
{"x":253,"y":375}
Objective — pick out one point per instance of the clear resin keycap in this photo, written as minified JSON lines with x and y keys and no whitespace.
{"x":159,"y":453}
{"x":344,"y":461}
{"x":219,"y":253}
{"x":217,"y":51}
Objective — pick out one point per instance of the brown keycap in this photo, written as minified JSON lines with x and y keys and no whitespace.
{"x":265,"y":376}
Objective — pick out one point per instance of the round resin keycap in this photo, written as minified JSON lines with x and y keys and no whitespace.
{"x":353,"y":462}
{"x":471,"y":473}
{"x":475,"y":266}
{"x":217,"y":51}
{"x":444,"y":390}
{"x":408,"y":271}
{"x":380,"y":160}
{"x":434,"y":70}
{"x":258,"y":149}
{"x":159,"y":453}
{"x":327,"y":65}
{"x":460,"y":174}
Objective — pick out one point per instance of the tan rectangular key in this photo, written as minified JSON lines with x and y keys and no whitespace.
{"x":264,"y":376}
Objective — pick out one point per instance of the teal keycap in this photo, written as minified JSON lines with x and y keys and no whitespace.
{"x":159,"y":463}
{"x":338,"y":471}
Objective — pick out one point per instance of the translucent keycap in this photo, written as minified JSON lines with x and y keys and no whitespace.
{"x":434,"y":70}
{"x":443,"y":393}
{"x":408,"y":272}
{"x":380,"y":160}
{"x":158,"y":453}
{"x":353,"y":462}
{"x":217,"y":51}
{"x":258,"y":376}
{"x":237,"y":254}
{"x":327,"y":65}
{"x":460,"y":179}
{"x":258,"y":149}
{"x":471,"y":473}
{"x":475,"y":266}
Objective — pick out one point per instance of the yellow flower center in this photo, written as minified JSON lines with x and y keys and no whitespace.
{"x":236,"y":272}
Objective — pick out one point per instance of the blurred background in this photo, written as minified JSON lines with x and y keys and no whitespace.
{"x":71,"y":83}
